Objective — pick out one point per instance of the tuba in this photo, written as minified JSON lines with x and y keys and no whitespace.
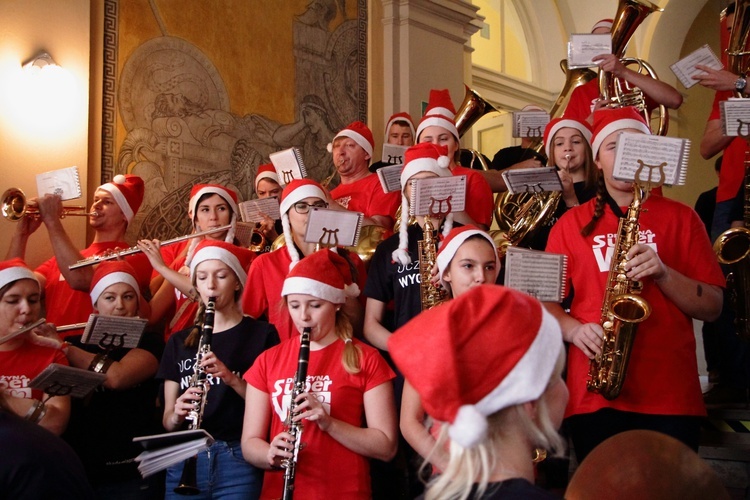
{"x":630,"y":14}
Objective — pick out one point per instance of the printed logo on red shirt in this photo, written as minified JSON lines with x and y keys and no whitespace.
{"x":604,"y":244}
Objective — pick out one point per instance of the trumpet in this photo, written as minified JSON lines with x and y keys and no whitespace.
{"x":15,"y":207}
{"x":96,"y":259}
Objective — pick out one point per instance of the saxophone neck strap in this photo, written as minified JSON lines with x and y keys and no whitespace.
{"x":614,"y":206}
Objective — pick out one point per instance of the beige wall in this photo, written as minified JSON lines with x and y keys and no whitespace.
{"x":62,"y":29}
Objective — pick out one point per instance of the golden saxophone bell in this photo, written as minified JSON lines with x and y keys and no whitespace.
{"x":15,"y":207}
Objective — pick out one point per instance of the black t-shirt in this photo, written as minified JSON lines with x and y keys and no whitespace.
{"x":102,"y":427}
{"x":510,"y":489}
{"x":705,"y":206}
{"x":507,"y":157}
{"x":237,"y":348}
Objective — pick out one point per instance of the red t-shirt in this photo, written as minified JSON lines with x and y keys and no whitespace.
{"x":662,"y":376}
{"x":367,"y":196}
{"x":732,"y":172}
{"x":326,"y":469}
{"x":19,"y":367}
{"x":479,"y":201}
{"x":582,"y":100}
{"x":65,"y":306}
{"x":265,"y":279}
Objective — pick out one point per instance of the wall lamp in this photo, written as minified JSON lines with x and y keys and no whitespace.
{"x":39,"y":62}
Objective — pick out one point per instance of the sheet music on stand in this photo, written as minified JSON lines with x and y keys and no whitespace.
{"x":542,"y":275}
{"x":64,"y":182}
{"x":333,"y":228}
{"x":530,"y":123}
{"x":685,"y":70}
{"x":244,"y":233}
{"x":61,"y":380}
{"x":649,"y":154}
{"x":735,"y":117}
{"x":438,"y":195}
{"x":583,"y":47}
{"x":112,"y":332}
{"x":289,"y":165}
{"x":390,"y":178}
{"x":253,"y":210}
{"x":532,"y":180}
{"x":165,"y":450}
{"x":393,"y":154}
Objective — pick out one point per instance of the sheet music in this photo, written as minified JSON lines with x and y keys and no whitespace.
{"x":685,"y":70}
{"x":535,"y":180}
{"x":540,"y":274}
{"x":64,"y":182}
{"x":438,"y":195}
{"x":583,"y":47}
{"x":333,"y":228}
{"x":111,"y":332}
{"x":61,"y":380}
{"x":390,"y":178}
{"x":393,"y":154}
{"x":636,"y":150}
{"x":735,"y":117}
{"x":165,"y":450}
{"x":244,"y":233}
{"x":253,"y":210}
{"x":289,"y":165}
{"x":530,"y":123}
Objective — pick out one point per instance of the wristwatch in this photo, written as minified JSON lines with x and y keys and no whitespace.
{"x":740,"y":84}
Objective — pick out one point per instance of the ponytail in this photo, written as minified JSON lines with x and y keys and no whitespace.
{"x":601,"y":202}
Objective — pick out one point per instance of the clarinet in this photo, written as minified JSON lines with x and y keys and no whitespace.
{"x":295,"y":428}
{"x":188,"y":480}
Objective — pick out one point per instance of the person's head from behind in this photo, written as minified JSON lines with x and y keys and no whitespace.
{"x":267,"y":182}
{"x":20,"y":296}
{"x":400,"y":130}
{"x":645,"y":465}
{"x":298,"y":198}
{"x":117,"y":202}
{"x":492,"y":374}
{"x":467,"y":258}
{"x":115,"y":290}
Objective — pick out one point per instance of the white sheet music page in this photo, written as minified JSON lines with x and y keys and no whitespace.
{"x":333,"y":228}
{"x":393,"y":154}
{"x":735,"y":117}
{"x":438,"y":195}
{"x":685,"y":70}
{"x":63,"y":182}
{"x":583,"y":47}
{"x":289,"y":165}
{"x":254,"y":210}
{"x":649,"y":154}
{"x":532,"y":180}
{"x":110,"y":332}
{"x":390,"y":178}
{"x":61,"y":380}
{"x":530,"y":123}
{"x":542,"y":275}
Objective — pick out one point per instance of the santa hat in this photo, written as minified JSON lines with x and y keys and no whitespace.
{"x":608,"y":121}
{"x":555,"y":125}
{"x":127,"y":190}
{"x":359,"y":133}
{"x":399,"y":117}
{"x":323,"y":274}
{"x":112,"y":272}
{"x":266,"y":171}
{"x":295,"y":191}
{"x":237,"y":258}
{"x":424,"y":157}
{"x":532,"y":107}
{"x":227,"y":195}
{"x":14,"y":270}
{"x":491,"y":348}
{"x":603,"y":23}
{"x":453,"y":241}
{"x":440,"y":112}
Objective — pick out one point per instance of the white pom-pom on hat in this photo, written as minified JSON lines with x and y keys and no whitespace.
{"x":469,"y":428}
{"x":119,"y":179}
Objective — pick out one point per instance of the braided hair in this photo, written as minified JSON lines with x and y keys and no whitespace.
{"x":601,"y":202}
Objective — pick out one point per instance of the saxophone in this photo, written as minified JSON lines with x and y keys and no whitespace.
{"x":623,"y":309}
{"x":188,"y":481}
{"x":295,"y":428}
{"x":429,"y":294}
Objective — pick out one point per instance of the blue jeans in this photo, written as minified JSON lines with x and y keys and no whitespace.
{"x":221,"y":472}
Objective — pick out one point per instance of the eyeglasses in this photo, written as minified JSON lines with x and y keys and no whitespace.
{"x":302,"y":208}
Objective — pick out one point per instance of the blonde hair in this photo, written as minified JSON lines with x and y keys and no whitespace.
{"x":470,"y":467}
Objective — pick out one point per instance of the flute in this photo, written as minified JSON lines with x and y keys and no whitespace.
{"x":96,"y":259}
{"x":25,"y":329}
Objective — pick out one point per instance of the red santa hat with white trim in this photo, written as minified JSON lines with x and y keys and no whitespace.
{"x":603,"y":23}
{"x":400,"y":118}
{"x":440,"y":112}
{"x":555,"y":125}
{"x":359,"y":133}
{"x":13,"y":270}
{"x":608,"y":121}
{"x":491,"y":348}
{"x":323,"y":274}
{"x":127,"y":190}
{"x":295,"y":191}
{"x":424,"y":157}
{"x":111,"y":273}
{"x":196,"y":193}
{"x":266,"y":171}
{"x":237,"y":258}
{"x":451,"y":244}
